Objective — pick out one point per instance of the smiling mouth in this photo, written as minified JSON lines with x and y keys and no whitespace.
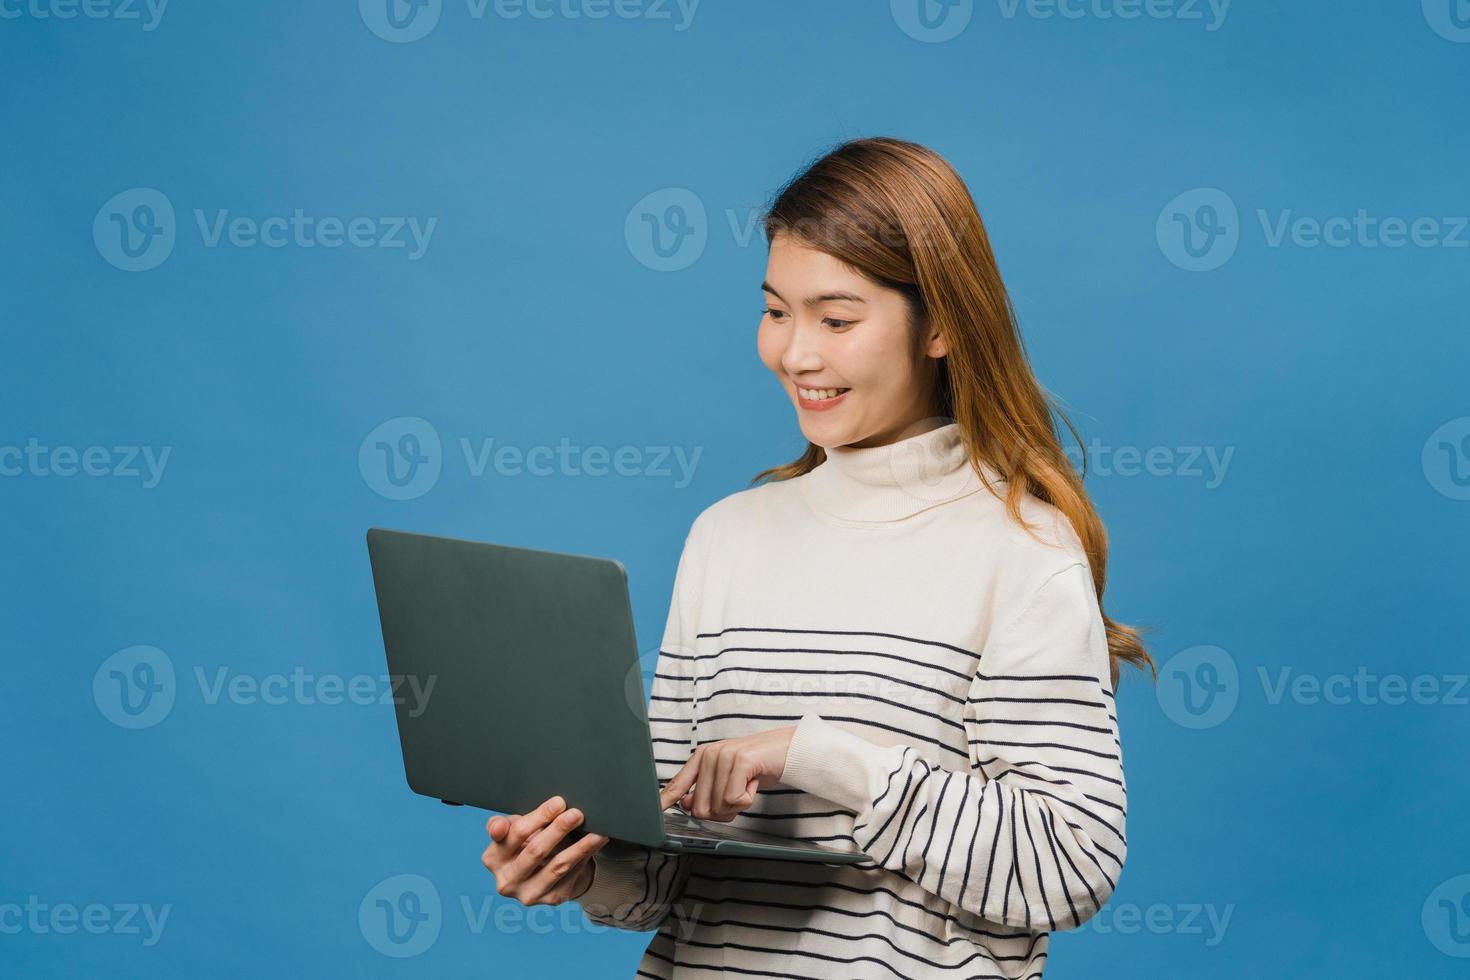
{"x":821,"y":399}
{"x":820,"y":394}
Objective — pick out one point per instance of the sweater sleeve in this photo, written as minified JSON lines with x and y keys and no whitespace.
{"x":634,"y":886}
{"x":1032,"y":835}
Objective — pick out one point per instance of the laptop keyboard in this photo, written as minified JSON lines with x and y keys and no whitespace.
{"x":680,"y":824}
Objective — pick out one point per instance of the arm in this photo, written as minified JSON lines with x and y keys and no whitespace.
{"x":633,"y":886}
{"x":1033,"y":835}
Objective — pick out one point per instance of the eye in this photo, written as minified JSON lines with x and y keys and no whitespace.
{"x":839,"y":324}
{"x":773,"y":314}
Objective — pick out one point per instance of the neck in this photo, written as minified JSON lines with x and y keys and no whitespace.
{"x":885,"y":483}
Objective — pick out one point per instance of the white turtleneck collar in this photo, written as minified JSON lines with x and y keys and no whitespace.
{"x":883,"y":484}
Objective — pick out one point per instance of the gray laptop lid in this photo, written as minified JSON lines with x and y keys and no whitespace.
{"x":536,"y":688}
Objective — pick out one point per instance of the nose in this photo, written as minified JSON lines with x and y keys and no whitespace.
{"x":803,"y":350}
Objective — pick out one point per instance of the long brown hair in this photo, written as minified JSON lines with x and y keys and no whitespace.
{"x":900,"y":214}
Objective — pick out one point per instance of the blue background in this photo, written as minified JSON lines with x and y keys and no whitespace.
{"x":1332,"y":544}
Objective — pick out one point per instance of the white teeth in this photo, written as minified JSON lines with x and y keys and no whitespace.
{"x":820,"y":394}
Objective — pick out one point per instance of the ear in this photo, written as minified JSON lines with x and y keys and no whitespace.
{"x":934,"y":345}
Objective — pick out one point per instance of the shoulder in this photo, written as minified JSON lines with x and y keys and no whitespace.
{"x":1042,"y":537}
{"x":743,"y":508}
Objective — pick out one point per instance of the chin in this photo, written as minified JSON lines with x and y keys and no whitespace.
{"x":828,"y":436}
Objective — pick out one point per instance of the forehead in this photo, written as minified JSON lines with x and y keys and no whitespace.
{"x":796,"y":263}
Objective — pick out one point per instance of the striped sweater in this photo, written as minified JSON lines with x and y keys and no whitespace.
{"x":948,"y":677}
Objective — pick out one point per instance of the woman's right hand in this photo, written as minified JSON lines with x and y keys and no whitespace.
{"x":530,"y":859}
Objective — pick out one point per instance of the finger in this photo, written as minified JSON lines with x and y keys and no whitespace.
{"x":740,"y":785}
{"x":704,"y":788}
{"x":553,"y":880}
{"x":498,"y":826}
{"x":524,"y":827}
{"x":675,"y":788}
{"x":543,"y":844}
{"x":721,"y":788}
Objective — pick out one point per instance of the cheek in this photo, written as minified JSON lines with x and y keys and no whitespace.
{"x":866,"y":362}
{"x":767,"y":344}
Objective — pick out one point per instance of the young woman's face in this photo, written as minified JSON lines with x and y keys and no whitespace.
{"x":828,"y":326}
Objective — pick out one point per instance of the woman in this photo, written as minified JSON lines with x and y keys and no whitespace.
{"x":896,"y":642}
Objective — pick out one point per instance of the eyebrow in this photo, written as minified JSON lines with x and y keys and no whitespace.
{"x":816,"y":300}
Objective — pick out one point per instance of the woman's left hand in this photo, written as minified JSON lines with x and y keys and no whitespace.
{"x":721,"y":778}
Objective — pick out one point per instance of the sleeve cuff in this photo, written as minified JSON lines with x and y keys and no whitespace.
{"x":832,"y":763}
{"x":618,"y":883}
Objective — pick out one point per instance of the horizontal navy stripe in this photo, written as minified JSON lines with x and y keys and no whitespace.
{"x":891,"y":636}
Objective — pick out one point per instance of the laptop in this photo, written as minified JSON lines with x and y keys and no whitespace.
{"x":530,"y":686}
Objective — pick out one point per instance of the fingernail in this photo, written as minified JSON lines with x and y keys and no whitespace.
{"x":557,"y":803}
